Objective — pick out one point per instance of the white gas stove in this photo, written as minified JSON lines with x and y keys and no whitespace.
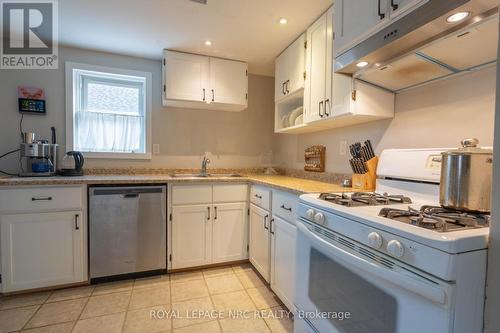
{"x":397,"y":246}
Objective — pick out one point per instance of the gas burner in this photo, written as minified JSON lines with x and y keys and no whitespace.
{"x":364,"y":199}
{"x":437,"y":218}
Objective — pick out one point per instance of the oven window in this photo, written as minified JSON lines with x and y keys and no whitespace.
{"x":333,"y":288}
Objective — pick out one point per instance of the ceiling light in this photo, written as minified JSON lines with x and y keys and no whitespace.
{"x":208,"y":43}
{"x":362,"y":64}
{"x":283,"y":20}
{"x":457,"y":17}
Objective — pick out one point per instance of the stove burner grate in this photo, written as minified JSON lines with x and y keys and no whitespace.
{"x":364,"y":199}
{"x":437,"y":218}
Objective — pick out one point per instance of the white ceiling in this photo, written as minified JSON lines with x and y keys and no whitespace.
{"x":246,"y":30}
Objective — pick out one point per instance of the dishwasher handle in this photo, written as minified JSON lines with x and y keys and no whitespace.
{"x":125,"y":192}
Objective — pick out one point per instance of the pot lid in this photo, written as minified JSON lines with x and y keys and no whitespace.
{"x":469,"y":146}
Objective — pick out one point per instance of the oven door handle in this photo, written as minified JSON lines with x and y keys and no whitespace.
{"x":433,"y":293}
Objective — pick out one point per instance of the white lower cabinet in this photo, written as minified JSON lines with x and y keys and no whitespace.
{"x":191,"y":236}
{"x":42,"y":249}
{"x":260,"y":240}
{"x":283,"y":235}
{"x":211,"y":232}
{"x":230,"y":235}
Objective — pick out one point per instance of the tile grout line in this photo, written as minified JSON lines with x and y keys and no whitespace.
{"x":38,"y":309}
{"x":211,"y":300}
{"x":81,"y":312}
{"x":127,"y":307}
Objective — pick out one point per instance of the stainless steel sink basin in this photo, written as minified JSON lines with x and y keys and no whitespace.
{"x":199,"y":175}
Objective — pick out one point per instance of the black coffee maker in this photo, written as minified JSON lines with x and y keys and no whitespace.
{"x":72,"y":164}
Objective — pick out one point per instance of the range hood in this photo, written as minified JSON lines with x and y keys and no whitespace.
{"x":430,"y":51}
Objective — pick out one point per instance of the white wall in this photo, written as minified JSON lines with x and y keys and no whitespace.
{"x":437,"y":115}
{"x":492,"y":322}
{"x":236,"y":139}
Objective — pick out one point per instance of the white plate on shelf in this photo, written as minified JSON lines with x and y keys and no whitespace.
{"x":294,"y":115}
{"x":285,"y":121}
{"x":299,"y":120}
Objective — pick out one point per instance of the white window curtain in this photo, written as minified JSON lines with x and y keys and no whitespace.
{"x":109,"y":113}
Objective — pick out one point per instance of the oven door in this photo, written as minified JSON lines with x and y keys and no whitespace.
{"x":344,"y":286}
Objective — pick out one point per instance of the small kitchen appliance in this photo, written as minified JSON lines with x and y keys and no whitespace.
{"x":38,"y":157}
{"x":394,"y":260}
{"x":72,"y":164}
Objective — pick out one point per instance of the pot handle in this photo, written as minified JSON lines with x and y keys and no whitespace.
{"x":470,"y":143}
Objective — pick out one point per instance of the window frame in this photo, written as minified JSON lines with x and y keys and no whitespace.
{"x":73,"y":97}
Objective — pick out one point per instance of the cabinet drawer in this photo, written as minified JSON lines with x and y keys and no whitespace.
{"x":230,"y":193}
{"x":285,"y":205}
{"x":40,"y":198}
{"x":260,"y":196}
{"x":191,"y":194}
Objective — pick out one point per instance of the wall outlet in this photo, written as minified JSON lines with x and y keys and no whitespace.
{"x":343,"y":148}
{"x":156,"y":148}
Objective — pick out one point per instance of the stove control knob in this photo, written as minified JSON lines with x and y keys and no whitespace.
{"x":310,"y":214}
{"x":319,"y":218}
{"x":395,"y":248}
{"x":375,"y":240}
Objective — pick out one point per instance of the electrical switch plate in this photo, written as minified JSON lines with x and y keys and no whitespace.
{"x":343,"y":148}
{"x":156,"y":148}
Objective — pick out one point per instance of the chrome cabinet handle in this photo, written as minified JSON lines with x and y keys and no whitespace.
{"x":265,"y":222}
{"x":283,"y":88}
{"x":41,"y":199}
{"x":203,"y":94}
{"x":77,"y":227}
{"x":320,"y":105}
{"x":286,"y":86}
{"x":208,"y":210}
{"x":380,"y":14}
{"x":258,"y":196}
{"x":271,"y":227}
{"x":327,"y":106}
{"x":286,"y":208}
{"x":215,"y":213}
{"x":213,"y":95}
{"x":394,"y":6}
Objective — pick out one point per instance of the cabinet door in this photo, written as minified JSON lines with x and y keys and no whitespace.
{"x":401,"y":7}
{"x":259,"y":240}
{"x":228,"y":82}
{"x":316,"y":79}
{"x":280,"y":76}
{"x":191,"y":236}
{"x":329,"y":64}
{"x":355,"y":20}
{"x":295,"y":56}
{"x":42,"y":250}
{"x":230,"y":232}
{"x":283,"y":260}
{"x":186,"y":77}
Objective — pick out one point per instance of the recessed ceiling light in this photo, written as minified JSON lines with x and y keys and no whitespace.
{"x":208,"y":43}
{"x":457,"y":17}
{"x":283,"y":20}
{"x":362,"y":64}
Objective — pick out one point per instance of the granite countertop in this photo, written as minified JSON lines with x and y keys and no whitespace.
{"x":286,"y":183}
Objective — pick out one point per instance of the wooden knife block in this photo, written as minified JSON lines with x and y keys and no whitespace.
{"x":367,"y":181}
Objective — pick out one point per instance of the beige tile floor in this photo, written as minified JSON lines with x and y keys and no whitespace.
{"x":225,"y":299}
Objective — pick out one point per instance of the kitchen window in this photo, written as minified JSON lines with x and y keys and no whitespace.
{"x":108,"y":112}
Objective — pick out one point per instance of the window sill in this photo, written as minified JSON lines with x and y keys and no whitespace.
{"x":121,"y":156}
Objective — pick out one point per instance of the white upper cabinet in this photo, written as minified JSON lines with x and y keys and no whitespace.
{"x":289,"y":69}
{"x":356,"y":19}
{"x":228,"y":82}
{"x":186,"y":76}
{"x":315,"y":91}
{"x":201,"y":82}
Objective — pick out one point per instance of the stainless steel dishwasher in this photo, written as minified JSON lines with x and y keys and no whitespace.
{"x":128,"y":231}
